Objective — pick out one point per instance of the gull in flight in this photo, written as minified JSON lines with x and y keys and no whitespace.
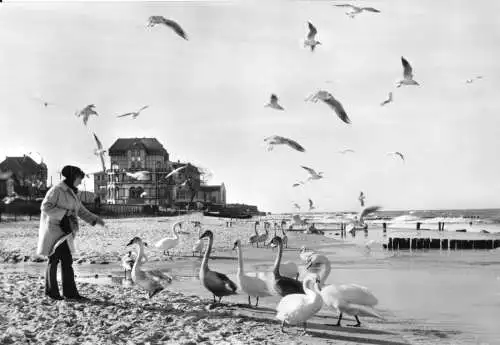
{"x":311,"y":205}
{"x":298,"y":184}
{"x":134,"y":114}
{"x":38,"y":153}
{"x":143,"y":194}
{"x":175,"y":171}
{"x":407,"y":74}
{"x":311,"y":40}
{"x":327,"y":97}
{"x":399,"y":154}
{"x":470,"y":81}
{"x":154,"y":20}
{"x":362,"y":199}
{"x":277,"y":140}
{"x":139,"y":175}
{"x":387,"y":101}
{"x":100,"y":151}
{"x":359,"y":219}
{"x":86,"y":112}
{"x":357,"y":10}
{"x":297,"y":206}
{"x":273,"y":103}
{"x":313,"y":175}
{"x":346,"y":151}
{"x":44,"y":102}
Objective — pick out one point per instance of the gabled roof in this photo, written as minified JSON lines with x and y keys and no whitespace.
{"x":151,"y":145}
{"x":21,"y":165}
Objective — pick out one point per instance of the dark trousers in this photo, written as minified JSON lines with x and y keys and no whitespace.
{"x":62,"y":254}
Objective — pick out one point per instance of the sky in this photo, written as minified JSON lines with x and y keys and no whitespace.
{"x":207,"y":95}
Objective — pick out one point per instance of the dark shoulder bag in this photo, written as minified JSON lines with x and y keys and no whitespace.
{"x":66,"y":225}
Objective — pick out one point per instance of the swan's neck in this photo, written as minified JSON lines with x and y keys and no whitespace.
{"x":277,"y":262}
{"x":139,"y":258}
{"x":176,"y":235}
{"x":204,"y":263}
{"x":240,"y":261}
{"x":324,"y":272}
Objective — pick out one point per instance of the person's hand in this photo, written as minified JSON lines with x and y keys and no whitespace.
{"x":71,"y":213}
{"x":100,"y":222}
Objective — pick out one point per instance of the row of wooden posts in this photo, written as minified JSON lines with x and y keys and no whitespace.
{"x":401,"y":243}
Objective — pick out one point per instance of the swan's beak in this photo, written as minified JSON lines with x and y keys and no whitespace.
{"x":309,"y":264}
{"x":273,"y":245}
{"x":130,"y":243}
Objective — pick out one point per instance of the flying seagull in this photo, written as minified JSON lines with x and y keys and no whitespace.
{"x":469,"y":81}
{"x":311,"y":205}
{"x":273,"y":103}
{"x":357,"y":10}
{"x":277,"y":140}
{"x":44,"y":102}
{"x":387,"y":101}
{"x":139,"y":175}
{"x":175,"y":171}
{"x":407,"y":74}
{"x":311,"y":40}
{"x":134,"y":114}
{"x":86,"y":112}
{"x":362,"y":199}
{"x":298,"y":184}
{"x":399,"y":154}
{"x":143,"y":194}
{"x":100,"y":151}
{"x":154,"y":20}
{"x":297,"y":206}
{"x":313,"y":175}
{"x":346,"y":151}
{"x":327,"y":97}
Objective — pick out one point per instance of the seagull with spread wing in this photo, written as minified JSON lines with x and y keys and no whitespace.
{"x":175,"y":171}
{"x":387,"y":101}
{"x":407,"y":74}
{"x":470,"y":81}
{"x":278,"y":140}
{"x":297,"y":206}
{"x":359,"y":219}
{"x":362,"y":199}
{"x":313,"y":175}
{"x":346,"y":151}
{"x":139,"y":175}
{"x":100,"y":151}
{"x":356,"y":10}
{"x":134,"y":114}
{"x":399,"y":154}
{"x":311,"y":205}
{"x":273,"y":103}
{"x":296,"y":184}
{"x":328,"y":98}
{"x":86,"y":113}
{"x":311,"y":37}
{"x":155,"y":20}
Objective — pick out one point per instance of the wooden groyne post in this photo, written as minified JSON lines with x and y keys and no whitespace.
{"x":406,"y":243}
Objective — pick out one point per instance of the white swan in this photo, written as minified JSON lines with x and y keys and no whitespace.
{"x":168,"y":243}
{"x":351,"y":299}
{"x":304,"y":253}
{"x":128,"y":261}
{"x":254,"y":238}
{"x":296,"y":308}
{"x":198,"y":245}
{"x":151,"y":280}
{"x":252,"y":286}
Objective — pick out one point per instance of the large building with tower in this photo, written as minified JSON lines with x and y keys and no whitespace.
{"x":131,"y":155}
{"x":23,"y":176}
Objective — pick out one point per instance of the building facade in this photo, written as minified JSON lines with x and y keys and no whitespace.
{"x":148,"y":156}
{"x":26,"y":177}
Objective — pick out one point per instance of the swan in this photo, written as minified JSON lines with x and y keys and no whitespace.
{"x":304,"y":253}
{"x":297,"y":308}
{"x":252,"y":286}
{"x":263,"y":238}
{"x":128,"y":261}
{"x":217,"y":283}
{"x":150,"y":280}
{"x":168,"y":243}
{"x":283,"y":285}
{"x":198,"y":245}
{"x":351,"y":299}
{"x":285,"y":237}
{"x":254,"y":238}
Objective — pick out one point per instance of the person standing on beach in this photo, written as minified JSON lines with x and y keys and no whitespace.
{"x":58,"y":228}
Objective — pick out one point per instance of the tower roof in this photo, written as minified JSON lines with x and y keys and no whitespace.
{"x":151,"y":145}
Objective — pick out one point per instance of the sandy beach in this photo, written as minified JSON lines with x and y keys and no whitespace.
{"x":118,"y":313}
